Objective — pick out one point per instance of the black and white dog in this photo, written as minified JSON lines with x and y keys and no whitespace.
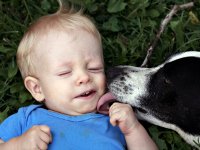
{"x":167,"y":95}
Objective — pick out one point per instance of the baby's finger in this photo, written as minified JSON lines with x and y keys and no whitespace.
{"x":113,"y":111}
{"x":45,"y":128}
{"x":115,"y":118}
{"x":114,"y":108}
{"x":46,"y":137}
{"x":42,"y":145}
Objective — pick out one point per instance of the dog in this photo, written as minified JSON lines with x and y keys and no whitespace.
{"x":167,"y":95}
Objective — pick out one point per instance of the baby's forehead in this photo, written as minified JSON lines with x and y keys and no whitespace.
{"x":44,"y":40}
{"x":62,"y":39}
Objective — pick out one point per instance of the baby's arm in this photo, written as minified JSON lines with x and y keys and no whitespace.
{"x":135,"y":134}
{"x":37,"y":137}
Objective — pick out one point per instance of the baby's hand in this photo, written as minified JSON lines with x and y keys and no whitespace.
{"x":37,"y":138}
{"x":123,"y":116}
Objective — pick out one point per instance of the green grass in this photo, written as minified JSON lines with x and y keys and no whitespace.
{"x":127,"y":28}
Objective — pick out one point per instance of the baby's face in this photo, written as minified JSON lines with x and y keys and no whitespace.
{"x":70,"y":70}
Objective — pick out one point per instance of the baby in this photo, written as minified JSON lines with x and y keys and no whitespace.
{"x":61,"y":61}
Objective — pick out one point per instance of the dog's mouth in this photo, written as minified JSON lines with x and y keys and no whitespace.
{"x":105,"y":102}
{"x":140,"y":110}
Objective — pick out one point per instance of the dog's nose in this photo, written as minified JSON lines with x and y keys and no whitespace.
{"x":113,"y":73}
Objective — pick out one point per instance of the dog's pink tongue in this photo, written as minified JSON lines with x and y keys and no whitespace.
{"x":104,"y":101}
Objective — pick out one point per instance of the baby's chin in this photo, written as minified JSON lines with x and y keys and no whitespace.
{"x":85,"y":110}
{"x":90,"y":111}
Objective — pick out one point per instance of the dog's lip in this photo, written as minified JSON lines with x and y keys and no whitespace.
{"x":104,"y":103}
{"x":142,"y":110}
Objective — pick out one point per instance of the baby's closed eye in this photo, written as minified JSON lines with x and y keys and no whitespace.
{"x":96,"y":69}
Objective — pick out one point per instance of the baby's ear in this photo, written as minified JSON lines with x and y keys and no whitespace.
{"x":33,"y":86}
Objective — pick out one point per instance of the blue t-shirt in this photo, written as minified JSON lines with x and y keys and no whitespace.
{"x":85,"y":132}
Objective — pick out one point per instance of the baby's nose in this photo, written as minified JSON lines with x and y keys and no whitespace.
{"x":83,"y":78}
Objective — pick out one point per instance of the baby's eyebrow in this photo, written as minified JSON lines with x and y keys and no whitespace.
{"x":63,"y":64}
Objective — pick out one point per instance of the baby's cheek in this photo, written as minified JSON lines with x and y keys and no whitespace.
{"x":102,"y":82}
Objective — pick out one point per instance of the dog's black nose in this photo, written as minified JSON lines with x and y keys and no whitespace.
{"x":113,"y":73}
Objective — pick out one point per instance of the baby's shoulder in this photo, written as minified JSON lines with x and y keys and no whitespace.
{"x":27,"y":110}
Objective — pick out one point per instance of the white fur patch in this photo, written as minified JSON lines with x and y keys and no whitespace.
{"x":184,"y":54}
{"x":138,"y":79}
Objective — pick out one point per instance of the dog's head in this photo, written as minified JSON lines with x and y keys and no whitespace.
{"x":166,"y":95}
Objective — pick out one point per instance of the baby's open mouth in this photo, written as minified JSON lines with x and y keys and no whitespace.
{"x":86,"y":94}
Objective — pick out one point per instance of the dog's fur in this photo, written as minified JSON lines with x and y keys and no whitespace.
{"x":167,"y":95}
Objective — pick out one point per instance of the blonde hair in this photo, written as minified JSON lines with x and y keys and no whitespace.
{"x":63,"y":19}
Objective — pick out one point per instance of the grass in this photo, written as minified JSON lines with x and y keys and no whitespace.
{"x":127,"y":28}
